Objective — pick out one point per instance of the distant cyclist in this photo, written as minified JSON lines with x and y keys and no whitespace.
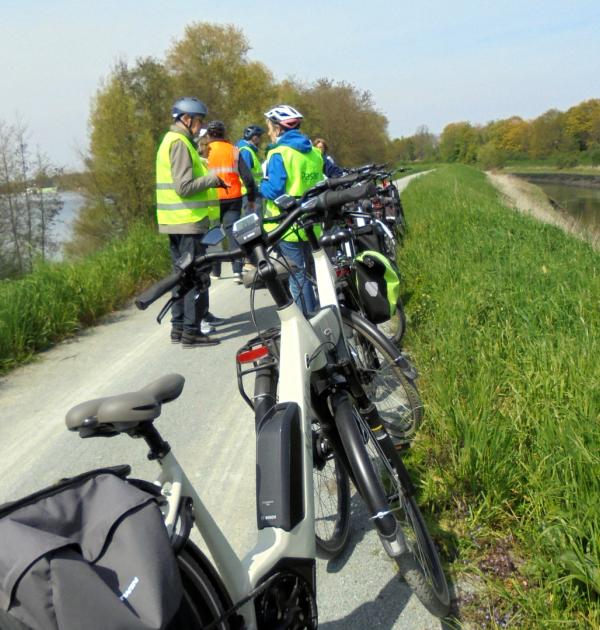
{"x":293,"y":166}
{"x":249,"y":146}
{"x":331,"y":169}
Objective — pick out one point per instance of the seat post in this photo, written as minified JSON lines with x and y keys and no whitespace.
{"x":158,"y":447}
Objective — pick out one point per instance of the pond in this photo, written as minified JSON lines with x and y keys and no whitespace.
{"x":62,"y":228}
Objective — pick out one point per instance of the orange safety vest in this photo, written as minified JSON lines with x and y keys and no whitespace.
{"x":223,"y":161}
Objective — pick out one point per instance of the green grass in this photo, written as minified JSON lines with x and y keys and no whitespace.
{"x":548,"y":166}
{"x":58,"y":299}
{"x":504,"y":324}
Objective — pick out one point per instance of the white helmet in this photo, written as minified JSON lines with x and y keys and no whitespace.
{"x":285,"y":115}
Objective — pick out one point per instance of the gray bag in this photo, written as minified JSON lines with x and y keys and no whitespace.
{"x":90,"y":552}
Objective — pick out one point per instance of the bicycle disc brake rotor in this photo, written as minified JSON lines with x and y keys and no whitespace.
{"x":287,"y":604}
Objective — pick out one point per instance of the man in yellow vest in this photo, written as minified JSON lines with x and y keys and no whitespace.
{"x":293,"y":166}
{"x":224,"y":161}
{"x":186,"y":202}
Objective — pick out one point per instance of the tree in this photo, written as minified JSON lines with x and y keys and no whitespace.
{"x":211,"y":62}
{"x":580,"y":122}
{"x":459,"y":142}
{"x":547,"y":134}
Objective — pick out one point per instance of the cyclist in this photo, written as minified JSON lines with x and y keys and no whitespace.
{"x":330,"y":167}
{"x":224,"y":160}
{"x":293,"y":166}
{"x":248,"y":147}
{"x":186,"y":201}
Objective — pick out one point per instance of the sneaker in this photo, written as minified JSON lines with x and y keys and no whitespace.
{"x":176,"y":334}
{"x":206,"y":328}
{"x":237,"y":277}
{"x":193,"y":339}
{"x":214,"y":276}
{"x":213,"y":320}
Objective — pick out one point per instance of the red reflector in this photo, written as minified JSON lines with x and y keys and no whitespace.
{"x":249,"y":356}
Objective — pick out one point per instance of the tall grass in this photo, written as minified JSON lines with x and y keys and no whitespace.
{"x":504,"y":321}
{"x":58,"y":299}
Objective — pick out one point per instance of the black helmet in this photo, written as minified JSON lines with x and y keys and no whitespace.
{"x":188,"y":105}
{"x":216,"y":128}
{"x":253,"y":130}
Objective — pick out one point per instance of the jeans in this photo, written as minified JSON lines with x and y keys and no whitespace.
{"x":188,"y":311}
{"x":231,"y":210}
{"x":300,"y":285}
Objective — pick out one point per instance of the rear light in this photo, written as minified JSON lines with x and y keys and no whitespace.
{"x":342,"y":272}
{"x":252,"y":355}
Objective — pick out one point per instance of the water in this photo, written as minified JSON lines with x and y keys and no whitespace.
{"x":580,"y":201}
{"x":62,"y":228}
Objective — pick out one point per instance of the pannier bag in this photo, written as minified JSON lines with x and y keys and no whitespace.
{"x":90,"y":553}
{"x":370,"y":237}
{"x":378,"y":286}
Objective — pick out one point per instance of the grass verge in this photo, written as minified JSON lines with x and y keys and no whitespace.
{"x":58,"y":299}
{"x":504,"y":323}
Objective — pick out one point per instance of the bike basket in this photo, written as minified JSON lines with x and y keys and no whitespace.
{"x":90,"y":552}
{"x":378,"y":285}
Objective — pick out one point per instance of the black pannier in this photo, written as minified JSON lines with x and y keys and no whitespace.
{"x":91,"y":552}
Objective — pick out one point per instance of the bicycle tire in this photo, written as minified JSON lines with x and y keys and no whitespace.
{"x":204,"y":598}
{"x":393,"y":393}
{"x":331,"y":480}
{"x":420,"y":566}
{"x":395,"y":327}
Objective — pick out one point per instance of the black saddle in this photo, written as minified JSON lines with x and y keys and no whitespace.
{"x":117,"y":414}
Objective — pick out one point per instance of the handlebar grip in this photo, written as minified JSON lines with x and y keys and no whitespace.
{"x":336,"y":198}
{"x":344,"y":180}
{"x":157,"y":290}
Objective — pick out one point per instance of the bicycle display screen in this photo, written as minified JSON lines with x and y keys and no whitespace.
{"x":247,"y":228}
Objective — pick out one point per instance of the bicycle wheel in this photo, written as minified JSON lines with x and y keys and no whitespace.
{"x":332,"y":498}
{"x":331,"y":480}
{"x":204,"y":599}
{"x":395,"y":396}
{"x":395,"y":327}
{"x":420,"y":566}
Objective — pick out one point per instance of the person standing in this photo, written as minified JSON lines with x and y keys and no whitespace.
{"x":224,"y":161}
{"x":186,"y":200}
{"x":249,"y":146}
{"x":330,"y":168}
{"x":293,"y":166}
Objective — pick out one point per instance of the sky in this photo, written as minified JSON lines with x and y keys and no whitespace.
{"x":425,"y":62}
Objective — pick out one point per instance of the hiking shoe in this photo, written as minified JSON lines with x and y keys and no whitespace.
{"x":213,"y":320}
{"x":176,"y":335}
{"x":237,"y":277}
{"x":193,"y":339}
{"x":206,"y":328}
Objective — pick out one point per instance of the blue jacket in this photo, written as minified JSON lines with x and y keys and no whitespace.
{"x":330,"y":168}
{"x":274,"y":184}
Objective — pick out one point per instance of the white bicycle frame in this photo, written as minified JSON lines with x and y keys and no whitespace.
{"x":301,"y":352}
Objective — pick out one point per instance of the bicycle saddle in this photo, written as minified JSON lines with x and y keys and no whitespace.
{"x":114,"y":414}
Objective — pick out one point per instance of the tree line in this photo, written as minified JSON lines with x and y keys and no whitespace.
{"x":566,"y":138}
{"x":131,"y":112}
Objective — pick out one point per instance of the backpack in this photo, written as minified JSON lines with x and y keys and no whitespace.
{"x":89,"y":552}
{"x":378,"y":285}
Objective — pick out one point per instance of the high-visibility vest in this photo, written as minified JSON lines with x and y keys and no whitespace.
{"x":223,"y":161}
{"x":304,"y":170}
{"x":172,"y":209}
{"x":255,"y":169}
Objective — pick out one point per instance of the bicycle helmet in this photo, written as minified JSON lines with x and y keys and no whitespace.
{"x":253,"y":130}
{"x":285,"y":115}
{"x":188,"y":105}
{"x":216,"y":128}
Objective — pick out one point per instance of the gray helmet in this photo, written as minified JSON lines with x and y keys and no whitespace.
{"x":188,"y":105}
{"x":216,"y":128}
{"x":253,"y":130}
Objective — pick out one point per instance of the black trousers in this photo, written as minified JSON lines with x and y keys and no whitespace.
{"x":188,"y":311}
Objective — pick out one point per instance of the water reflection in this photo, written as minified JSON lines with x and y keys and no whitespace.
{"x":61,"y":230}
